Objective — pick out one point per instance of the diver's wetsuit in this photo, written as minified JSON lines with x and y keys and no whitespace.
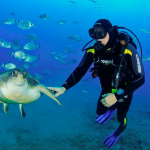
{"x":132,"y":75}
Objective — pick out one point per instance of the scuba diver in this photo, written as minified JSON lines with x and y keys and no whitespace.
{"x":119,"y":68}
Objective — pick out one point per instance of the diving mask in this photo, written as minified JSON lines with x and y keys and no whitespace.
{"x":97,"y":32}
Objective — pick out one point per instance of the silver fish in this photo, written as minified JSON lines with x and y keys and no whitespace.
{"x":146,"y":58}
{"x":32,"y":37}
{"x":12,"y":13}
{"x":26,"y":65}
{"x":31,"y":58}
{"x":72,"y":61}
{"x":69,"y":50}
{"x":93,"y":1}
{"x":19,"y":54}
{"x":47,"y":72}
{"x":72,"y":2}
{"x":84,"y":91}
{"x":8,"y":66}
{"x":5,"y":44}
{"x":16,"y":44}
{"x":1,"y":41}
{"x":31,"y":46}
{"x":59,"y":55}
{"x":10,"y":21}
{"x":54,"y":52}
{"x":38,"y":77}
{"x":61,"y":60}
{"x":74,"y":38}
{"x":61,"y":22}
{"x":44,"y":17}
{"x":69,"y":45}
{"x":26,"y":24}
{"x":77,"y":21}
{"x":145,"y":31}
{"x":63,"y":56}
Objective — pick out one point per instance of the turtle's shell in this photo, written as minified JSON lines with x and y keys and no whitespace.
{"x":7,"y":75}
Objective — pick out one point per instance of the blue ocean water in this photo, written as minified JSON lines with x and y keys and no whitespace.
{"x":48,"y":126}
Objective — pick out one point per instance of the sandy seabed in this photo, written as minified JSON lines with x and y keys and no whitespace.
{"x":48,"y":126}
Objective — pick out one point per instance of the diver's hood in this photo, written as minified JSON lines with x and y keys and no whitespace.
{"x":112,"y":38}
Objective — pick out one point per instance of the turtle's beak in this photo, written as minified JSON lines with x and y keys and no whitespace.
{"x":20,"y":76}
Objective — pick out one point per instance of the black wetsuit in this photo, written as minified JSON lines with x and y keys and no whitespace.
{"x":132,"y":75}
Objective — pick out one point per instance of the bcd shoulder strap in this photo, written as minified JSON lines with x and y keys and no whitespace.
{"x":123,"y":43}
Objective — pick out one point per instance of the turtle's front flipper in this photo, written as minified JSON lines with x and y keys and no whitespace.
{"x":45,"y":90}
{"x":22,"y":110}
{"x":6,"y":107}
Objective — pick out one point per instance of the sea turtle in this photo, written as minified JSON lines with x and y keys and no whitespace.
{"x":17,"y":86}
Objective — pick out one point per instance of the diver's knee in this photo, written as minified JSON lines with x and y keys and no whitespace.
{"x":122,"y":120}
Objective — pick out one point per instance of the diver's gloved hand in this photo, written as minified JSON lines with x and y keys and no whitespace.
{"x":57,"y":90}
{"x":108,"y":100}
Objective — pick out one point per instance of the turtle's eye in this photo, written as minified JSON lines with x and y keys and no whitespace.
{"x":24,"y":74}
{"x":15,"y":73}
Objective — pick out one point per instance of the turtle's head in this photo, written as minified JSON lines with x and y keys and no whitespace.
{"x":19,"y":76}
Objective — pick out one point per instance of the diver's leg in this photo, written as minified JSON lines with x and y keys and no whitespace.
{"x":122,"y":110}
